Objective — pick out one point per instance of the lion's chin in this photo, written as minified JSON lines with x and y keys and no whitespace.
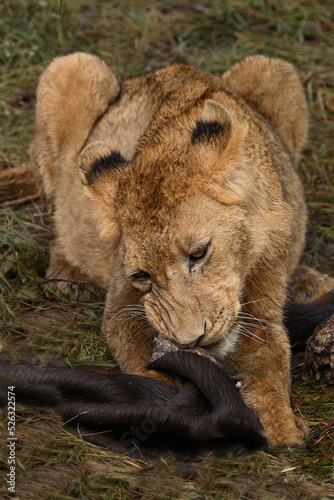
{"x":226,"y":344}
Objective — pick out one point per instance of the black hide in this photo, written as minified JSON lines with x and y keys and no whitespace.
{"x":302,"y":319}
{"x":143,"y":417}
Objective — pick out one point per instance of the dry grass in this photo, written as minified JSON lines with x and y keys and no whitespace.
{"x":135,"y":36}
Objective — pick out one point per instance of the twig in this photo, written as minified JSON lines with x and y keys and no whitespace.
{"x":81,"y":26}
{"x":19,"y":201}
{"x":318,"y":74}
{"x":321,"y":104}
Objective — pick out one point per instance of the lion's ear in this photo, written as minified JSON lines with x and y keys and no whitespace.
{"x":219,"y":136}
{"x":97,"y":165}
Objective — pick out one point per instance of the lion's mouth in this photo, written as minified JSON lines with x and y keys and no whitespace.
{"x":191,"y":345}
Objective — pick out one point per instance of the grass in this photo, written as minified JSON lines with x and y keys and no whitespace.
{"x":135,"y":36}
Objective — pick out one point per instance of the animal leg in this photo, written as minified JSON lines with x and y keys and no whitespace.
{"x":62,"y":277}
{"x":307,"y":284}
{"x":266,"y":386}
{"x":128,"y":333}
{"x":272,"y":87}
{"x":263,"y":358}
{"x":73,"y":92}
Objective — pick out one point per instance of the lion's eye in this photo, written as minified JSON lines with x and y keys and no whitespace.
{"x":142,"y":280}
{"x":141,"y":276}
{"x":198,"y":255}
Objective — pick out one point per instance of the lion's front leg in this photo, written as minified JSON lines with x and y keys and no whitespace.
{"x":265,"y":368}
{"x":129,"y":340}
{"x":129,"y":335}
{"x":263,"y":357}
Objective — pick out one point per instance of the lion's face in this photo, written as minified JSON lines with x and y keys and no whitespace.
{"x":190,"y":271}
{"x":178,"y":213}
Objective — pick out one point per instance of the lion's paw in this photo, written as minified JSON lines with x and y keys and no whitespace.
{"x":71,"y":282}
{"x":291,"y":433}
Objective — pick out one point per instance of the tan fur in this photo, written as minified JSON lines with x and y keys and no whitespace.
{"x":237,"y":189}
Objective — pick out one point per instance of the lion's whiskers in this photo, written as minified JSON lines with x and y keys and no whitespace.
{"x":243,"y":330}
{"x":246,"y":321}
{"x":130,"y":311}
{"x":243,"y":320}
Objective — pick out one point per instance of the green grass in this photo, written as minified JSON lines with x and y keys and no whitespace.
{"x":134,"y":36}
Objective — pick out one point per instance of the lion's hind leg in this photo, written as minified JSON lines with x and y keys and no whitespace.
{"x":68,"y":280}
{"x":272,"y":87}
{"x":307,"y":284}
{"x":311,"y":301}
{"x":73,"y":92}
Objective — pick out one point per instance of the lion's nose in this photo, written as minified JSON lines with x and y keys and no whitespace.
{"x":191,"y":344}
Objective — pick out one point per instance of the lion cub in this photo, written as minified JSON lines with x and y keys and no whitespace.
{"x":177,"y":191}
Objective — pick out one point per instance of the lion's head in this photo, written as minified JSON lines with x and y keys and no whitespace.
{"x":180,"y":214}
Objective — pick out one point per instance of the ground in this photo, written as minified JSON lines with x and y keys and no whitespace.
{"x":134,"y":36}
